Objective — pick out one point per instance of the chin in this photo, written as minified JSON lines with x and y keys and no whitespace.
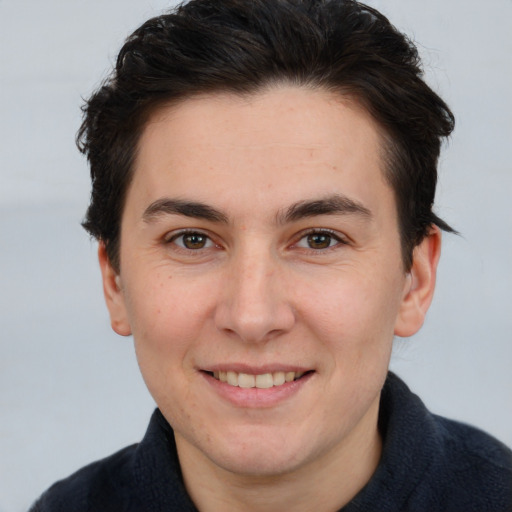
{"x":255,"y":463}
{"x":261,"y":453}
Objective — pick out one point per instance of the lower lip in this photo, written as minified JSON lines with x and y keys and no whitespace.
{"x":256,"y":397}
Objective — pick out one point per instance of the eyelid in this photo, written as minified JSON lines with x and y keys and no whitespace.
{"x":171,"y":236}
{"x":339,"y":237}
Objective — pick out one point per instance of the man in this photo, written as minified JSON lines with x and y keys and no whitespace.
{"x":263,"y":175}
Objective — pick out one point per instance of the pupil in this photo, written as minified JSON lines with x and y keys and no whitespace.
{"x":319,"y":241}
{"x":194,"y":241}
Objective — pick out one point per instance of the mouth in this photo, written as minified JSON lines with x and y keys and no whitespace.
{"x":260,"y":381}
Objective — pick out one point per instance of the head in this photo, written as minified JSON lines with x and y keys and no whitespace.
{"x":263,"y":180}
{"x":243,"y":47}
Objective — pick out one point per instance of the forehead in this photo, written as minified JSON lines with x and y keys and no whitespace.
{"x":291,"y":139}
{"x":300,"y":116}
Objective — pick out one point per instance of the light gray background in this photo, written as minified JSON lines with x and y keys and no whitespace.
{"x":69,"y":388}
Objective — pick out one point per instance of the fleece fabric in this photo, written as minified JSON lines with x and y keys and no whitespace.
{"x":428,"y":464}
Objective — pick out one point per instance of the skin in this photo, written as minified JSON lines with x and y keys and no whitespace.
{"x":266,"y":280}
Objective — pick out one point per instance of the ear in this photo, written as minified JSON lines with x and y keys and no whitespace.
{"x":421,"y":281}
{"x":113,"y":292}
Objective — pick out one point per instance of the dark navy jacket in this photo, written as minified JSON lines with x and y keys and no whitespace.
{"x":429,"y":464}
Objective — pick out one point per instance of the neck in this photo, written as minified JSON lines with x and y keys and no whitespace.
{"x":324,"y":484}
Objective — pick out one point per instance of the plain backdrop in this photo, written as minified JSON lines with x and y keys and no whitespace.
{"x":70,"y":390}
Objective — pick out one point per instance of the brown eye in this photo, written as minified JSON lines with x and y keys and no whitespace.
{"x":192,"y":241}
{"x":319,"y":240}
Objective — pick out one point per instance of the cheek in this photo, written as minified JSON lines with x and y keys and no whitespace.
{"x":357,"y":309}
{"x":170,"y":317}
{"x":167,"y":319}
{"x":168,"y":310}
{"x":164,"y":335}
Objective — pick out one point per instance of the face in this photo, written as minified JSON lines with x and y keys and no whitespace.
{"x":261,"y":276}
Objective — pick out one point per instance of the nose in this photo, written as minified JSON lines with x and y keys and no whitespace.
{"x":254,"y":305}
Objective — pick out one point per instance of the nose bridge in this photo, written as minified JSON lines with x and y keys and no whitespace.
{"x":254,"y":304}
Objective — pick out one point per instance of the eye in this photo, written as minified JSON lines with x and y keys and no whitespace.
{"x":320,"y":240}
{"x":191,"y":240}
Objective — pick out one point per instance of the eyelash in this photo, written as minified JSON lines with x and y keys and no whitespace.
{"x":209,"y":243}
{"x":333,"y":235}
{"x":181,"y":234}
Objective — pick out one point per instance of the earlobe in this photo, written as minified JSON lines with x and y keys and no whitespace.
{"x":420,"y":285}
{"x":113,"y":292}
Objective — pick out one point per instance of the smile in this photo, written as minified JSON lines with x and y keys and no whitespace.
{"x":261,"y":381}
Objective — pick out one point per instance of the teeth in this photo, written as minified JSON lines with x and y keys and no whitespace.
{"x":246,"y":381}
{"x":279,"y":378}
{"x":263,"y":381}
{"x":232,"y":378}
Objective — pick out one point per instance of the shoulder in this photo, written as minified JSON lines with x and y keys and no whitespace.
{"x":473,"y":467}
{"x":145,"y":476}
{"x":433,"y":463}
{"x":102,"y":485}
{"x":473,"y":445}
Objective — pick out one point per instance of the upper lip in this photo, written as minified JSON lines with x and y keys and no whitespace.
{"x":256,"y":370}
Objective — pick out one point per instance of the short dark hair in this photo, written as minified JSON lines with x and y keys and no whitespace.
{"x":242,"y":46}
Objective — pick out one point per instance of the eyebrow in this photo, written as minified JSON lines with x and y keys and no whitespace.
{"x":195,"y":209}
{"x":335,"y":204}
